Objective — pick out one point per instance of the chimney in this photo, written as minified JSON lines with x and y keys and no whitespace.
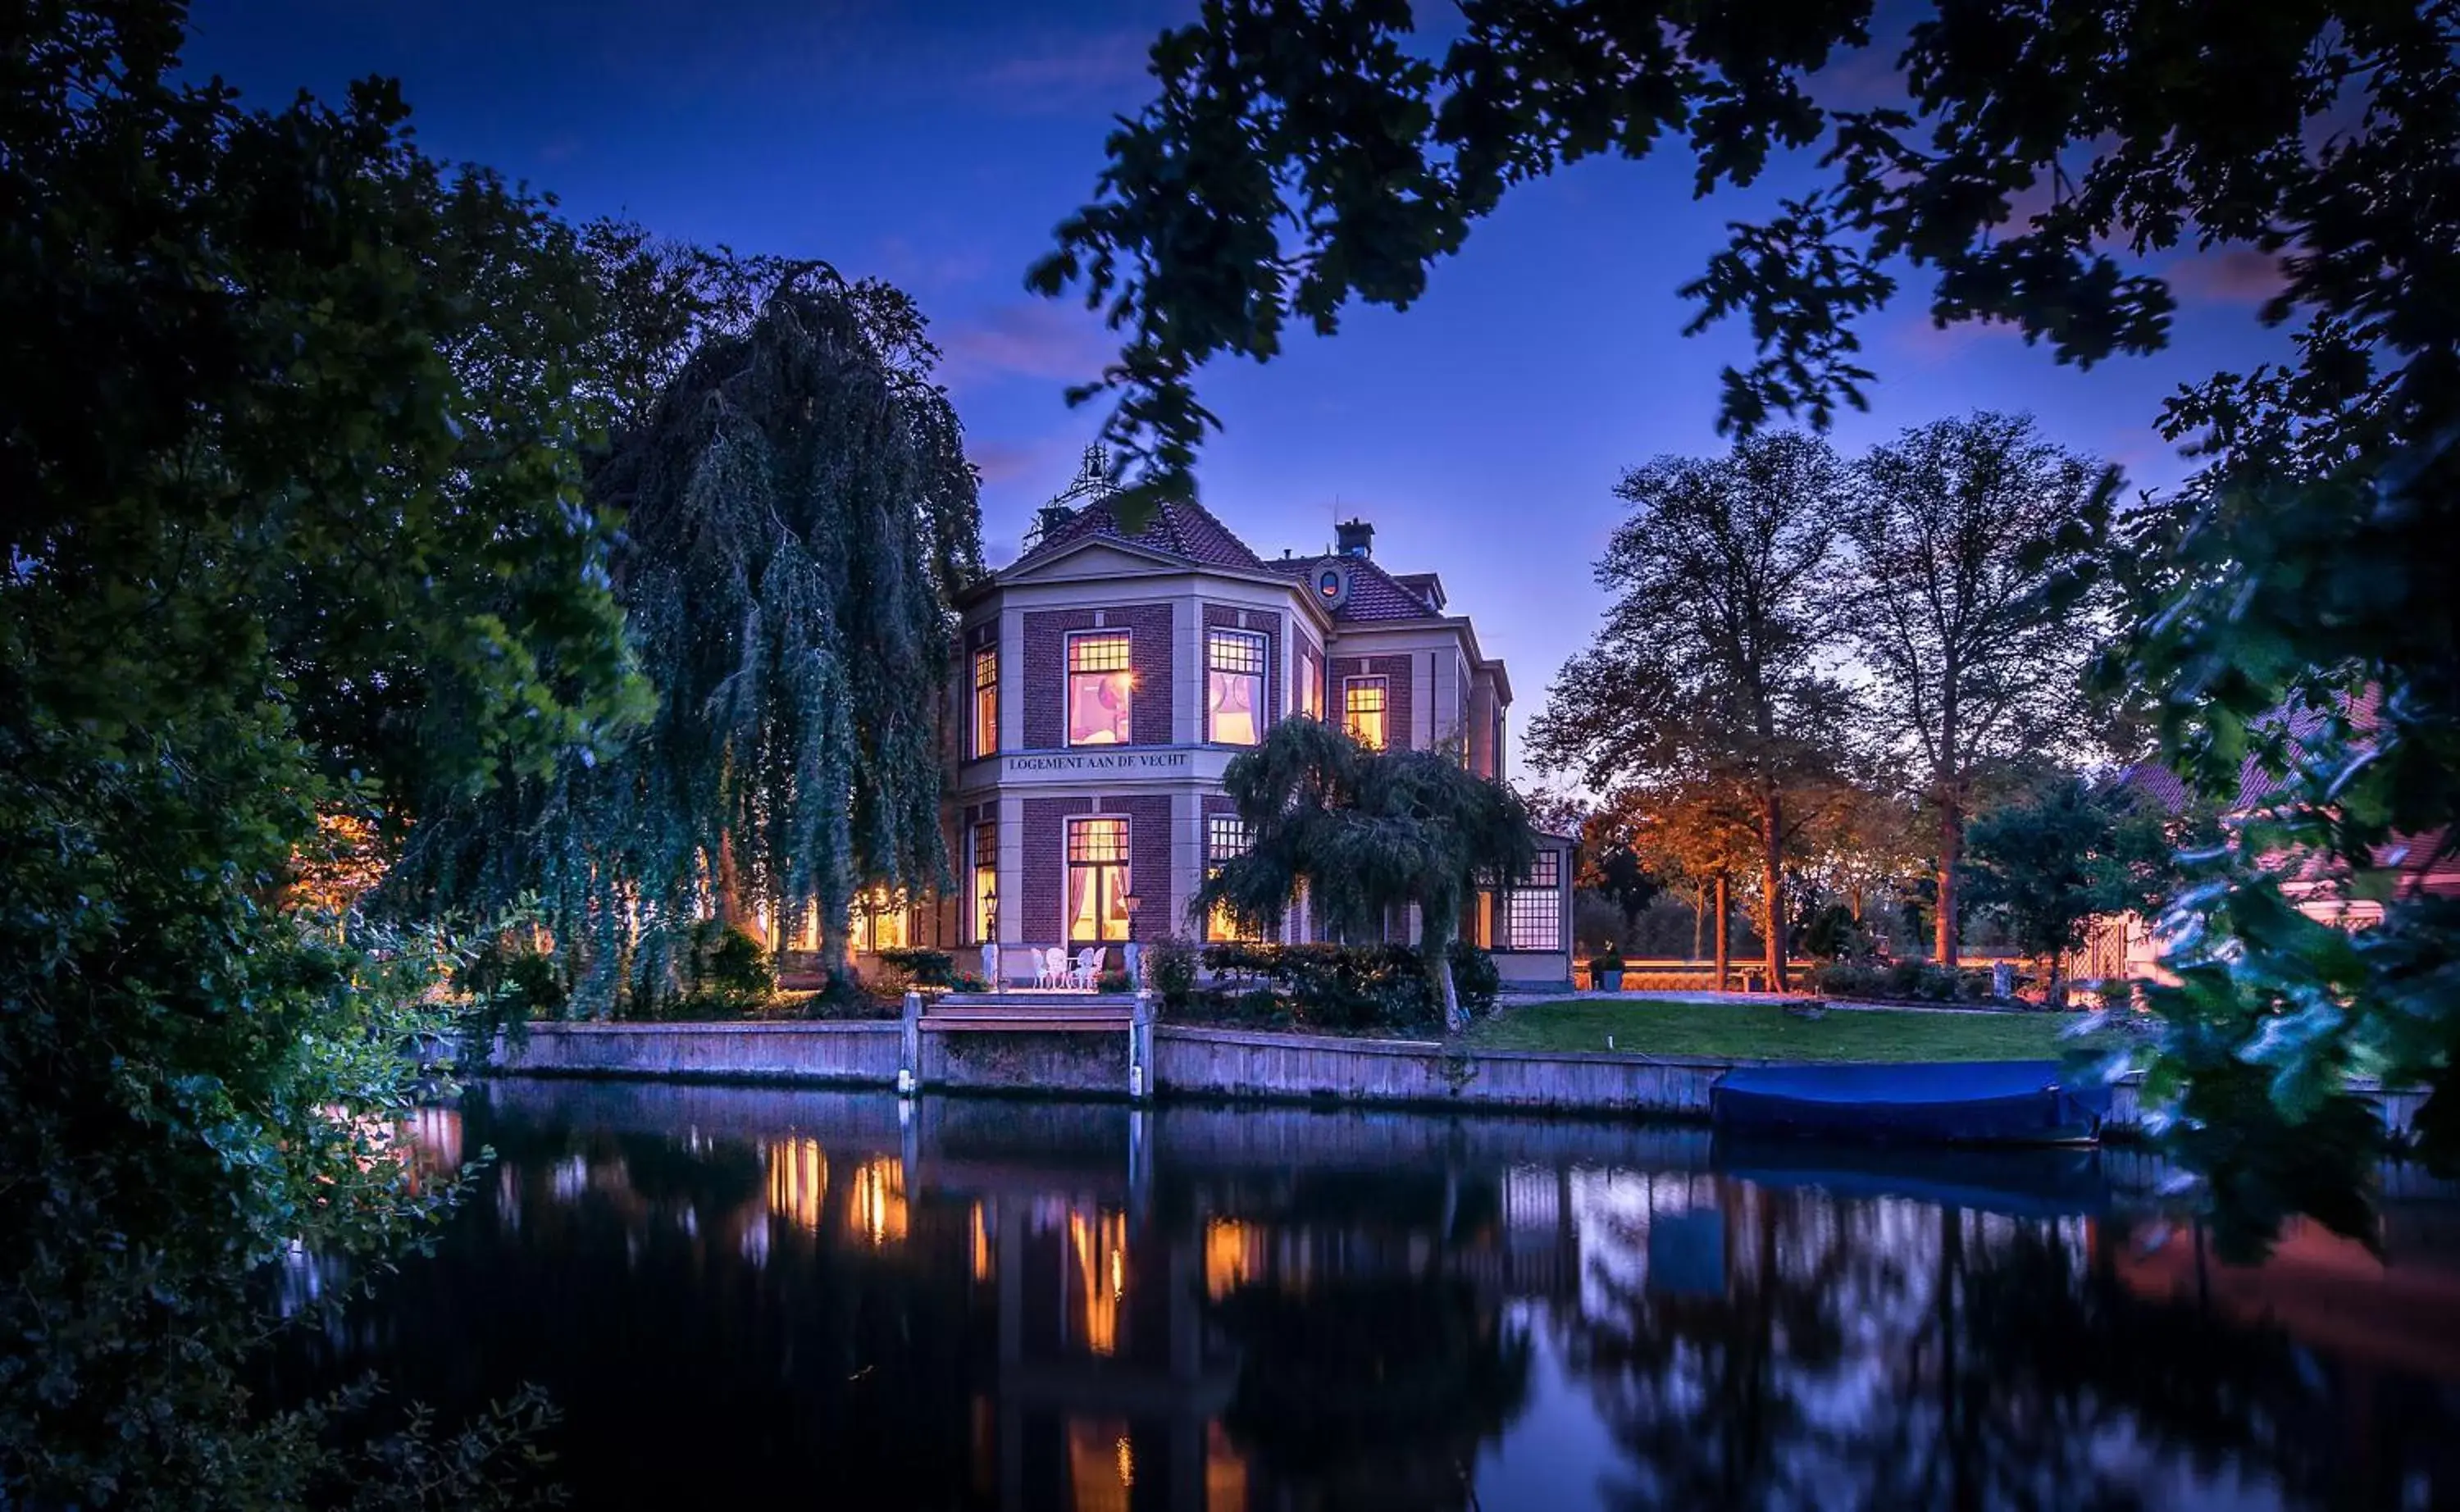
{"x":1356,"y":538}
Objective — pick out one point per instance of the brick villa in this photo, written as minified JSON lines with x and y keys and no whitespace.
{"x":1107,"y":680}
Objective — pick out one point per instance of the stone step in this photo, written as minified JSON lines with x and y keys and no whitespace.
{"x":1004,"y":1010}
{"x":1039,"y":1024}
{"x":1028,"y":1001}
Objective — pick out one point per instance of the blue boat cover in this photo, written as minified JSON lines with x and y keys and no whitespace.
{"x":2022,"y":1182}
{"x":1996,"y":1101}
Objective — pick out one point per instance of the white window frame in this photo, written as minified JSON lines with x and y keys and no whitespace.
{"x":1067,"y":685}
{"x":1262,"y":676}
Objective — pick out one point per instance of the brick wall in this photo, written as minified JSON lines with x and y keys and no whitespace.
{"x":1260,"y":622}
{"x":1045,"y":922}
{"x":1309,"y":664}
{"x":1400,"y":707}
{"x":1042,"y":922}
{"x":1148,"y":864}
{"x":1046,"y":671}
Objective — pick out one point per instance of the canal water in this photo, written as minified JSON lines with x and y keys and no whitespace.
{"x":748,"y":1297}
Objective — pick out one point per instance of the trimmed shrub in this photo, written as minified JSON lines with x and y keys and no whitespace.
{"x":842,"y":998}
{"x":1350,"y":989}
{"x":920,"y":967}
{"x":728,"y":974}
{"x":1170,"y":966}
{"x":514,"y":983}
{"x":1900,"y":981}
{"x":1475,"y":979}
{"x":1834,"y":935}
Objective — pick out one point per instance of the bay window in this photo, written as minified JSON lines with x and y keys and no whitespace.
{"x":1101,"y":687}
{"x":1234,"y":687}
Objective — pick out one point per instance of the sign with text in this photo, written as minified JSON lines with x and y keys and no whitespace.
{"x":1125,"y":763}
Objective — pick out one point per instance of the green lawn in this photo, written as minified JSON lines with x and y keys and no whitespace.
{"x":1765,"y":1031}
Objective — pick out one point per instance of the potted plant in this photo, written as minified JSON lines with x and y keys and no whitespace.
{"x":1605,"y":969}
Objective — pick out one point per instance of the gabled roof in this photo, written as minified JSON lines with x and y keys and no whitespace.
{"x":1180,"y":528}
{"x":1374,"y":594}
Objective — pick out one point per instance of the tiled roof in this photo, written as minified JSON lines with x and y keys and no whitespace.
{"x":1374,"y":594}
{"x":2255,"y":782}
{"x":1180,"y":528}
{"x":2422,"y":860}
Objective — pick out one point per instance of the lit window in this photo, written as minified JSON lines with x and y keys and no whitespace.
{"x":1532,"y":907}
{"x":1234,"y":687}
{"x":1310,"y":686}
{"x":985,"y":702}
{"x":879,"y":922}
{"x":1362,"y":710}
{"x":1101,"y":683}
{"x":1098,"y":881}
{"x":1226,"y":838}
{"x":986,"y":881}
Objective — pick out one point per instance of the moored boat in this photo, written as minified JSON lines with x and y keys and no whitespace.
{"x":1952,"y":1102}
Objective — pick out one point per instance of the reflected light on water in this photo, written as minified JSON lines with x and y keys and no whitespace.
{"x":798,"y":1183}
{"x":1337,"y":1313}
{"x":1101,"y":1466}
{"x":1226,"y":1472}
{"x":875,"y":1203}
{"x":1233,"y":1255}
{"x":1100,"y":1250}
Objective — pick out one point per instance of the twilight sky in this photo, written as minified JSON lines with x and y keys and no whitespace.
{"x":936,"y":145}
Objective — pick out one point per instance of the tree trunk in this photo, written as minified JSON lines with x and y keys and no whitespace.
{"x":1951,"y":850}
{"x":734,"y":909}
{"x":1724,"y":911}
{"x":1439,"y":955}
{"x":1773,"y":883}
{"x":1699,"y":917}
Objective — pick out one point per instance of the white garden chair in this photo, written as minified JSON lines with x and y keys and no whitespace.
{"x":1089,"y":969}
{"x":1054,"y":968}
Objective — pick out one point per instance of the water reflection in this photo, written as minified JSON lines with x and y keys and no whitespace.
{"x":994,"y":1305}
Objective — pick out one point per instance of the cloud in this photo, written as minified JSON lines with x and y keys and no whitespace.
{"x":1070,"y":73}
{"x":918,"y":270}
{"x":1916,"y":335}
{"x":1033,"y":339}
{"x":1006,"y":461}
{"x":2234,"y":275}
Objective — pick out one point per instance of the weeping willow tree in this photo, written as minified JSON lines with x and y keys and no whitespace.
{"x":798,"y":514}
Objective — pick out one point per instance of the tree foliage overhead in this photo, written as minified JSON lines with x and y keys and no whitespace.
{"x":1713,"y":667}
{"x":1962,"y":533}
{"x":2025,"y":159}
{"x":800,"y":514}
{"x":2038,"y":164}
{"x":1364,"y":833}
{"x":290,"y":412}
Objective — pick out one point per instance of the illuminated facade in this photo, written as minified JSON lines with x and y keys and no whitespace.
{"x":1106,"y":679}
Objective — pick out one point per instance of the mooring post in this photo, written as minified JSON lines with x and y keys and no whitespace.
{"x":909,"y":1055}
{"x":1140,"y":1023}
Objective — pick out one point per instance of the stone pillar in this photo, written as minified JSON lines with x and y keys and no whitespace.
{"x":1140,"y":1037}
{"x":909,"y":1059}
